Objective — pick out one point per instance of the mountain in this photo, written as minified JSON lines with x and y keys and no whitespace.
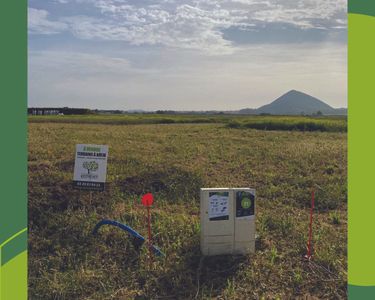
{"x":297,"y":103}
{"x":341,"y":111}
{"x":247,"y":111}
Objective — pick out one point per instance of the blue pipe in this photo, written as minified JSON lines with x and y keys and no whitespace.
{"x":130,"y":230}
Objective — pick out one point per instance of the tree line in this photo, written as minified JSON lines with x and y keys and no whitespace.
{"x":58,"y":111}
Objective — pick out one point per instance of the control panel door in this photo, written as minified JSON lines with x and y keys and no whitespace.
{"x":217,"y":213}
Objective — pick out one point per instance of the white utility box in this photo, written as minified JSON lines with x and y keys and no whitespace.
{"x":227,"y":221}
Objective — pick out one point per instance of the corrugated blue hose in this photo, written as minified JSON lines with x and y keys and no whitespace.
{"x":139,"y":239}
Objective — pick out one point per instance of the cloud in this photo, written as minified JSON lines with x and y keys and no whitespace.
{"x":61,"y":1}
{"x":186,"y":80}
{"x":38,"y":23}
{"x":185,"y":27}
{"x":76,"y":64}
{"x":169,"y":54}
{"x":318,"y":14}
{"x":192,"y":24}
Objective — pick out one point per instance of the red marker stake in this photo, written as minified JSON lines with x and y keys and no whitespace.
{"x":149,"y":231}
{"x":147,"y":201}
{"x":309,"y":254}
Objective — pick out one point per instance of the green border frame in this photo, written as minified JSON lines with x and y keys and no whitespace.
{"x":363,"y":7}
{"x":361,"y":159}
{"x":13,"y":150}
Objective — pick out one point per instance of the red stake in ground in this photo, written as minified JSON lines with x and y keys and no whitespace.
{"x":309,"y":254}
{"x":147,"y":201}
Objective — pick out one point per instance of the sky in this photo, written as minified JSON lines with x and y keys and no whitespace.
{"x":186,"y":54}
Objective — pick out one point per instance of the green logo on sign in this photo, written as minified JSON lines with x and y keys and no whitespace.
{"x":246,"y":203}
{"x":90,"y":166}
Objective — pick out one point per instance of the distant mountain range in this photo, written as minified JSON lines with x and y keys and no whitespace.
{"x":295,"y":103}
{"x":291,"y":103}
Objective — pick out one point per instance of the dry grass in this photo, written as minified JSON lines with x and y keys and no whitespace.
{"x":295,"y":123}
{"x":174,"y":161}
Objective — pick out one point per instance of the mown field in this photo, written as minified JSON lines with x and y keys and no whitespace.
{"x":173,"y":161}
{"x":293,"y":123}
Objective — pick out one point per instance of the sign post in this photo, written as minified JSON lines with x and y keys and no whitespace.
{"x":90,"y":167}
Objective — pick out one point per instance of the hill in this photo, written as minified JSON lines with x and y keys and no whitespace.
{"x":296,"y":103}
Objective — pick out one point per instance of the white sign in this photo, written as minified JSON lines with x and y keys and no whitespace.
{"x":218,"y":205}
{"x":90,"y":167}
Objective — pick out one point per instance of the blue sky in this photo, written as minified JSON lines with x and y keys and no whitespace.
{"x":185,"y":55}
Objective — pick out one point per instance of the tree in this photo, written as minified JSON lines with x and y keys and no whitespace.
{"x":90,"y":166}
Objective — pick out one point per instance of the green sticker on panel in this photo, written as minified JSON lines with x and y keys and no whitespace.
{"x":246,"y":203}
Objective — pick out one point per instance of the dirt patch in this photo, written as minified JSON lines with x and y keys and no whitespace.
{"x":172,"y":183}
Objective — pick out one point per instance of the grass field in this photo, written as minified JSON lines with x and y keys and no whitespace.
{"x":173,"y":161}
{"x":295,"y":123}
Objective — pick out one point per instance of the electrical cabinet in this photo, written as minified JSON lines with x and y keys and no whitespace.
{"x":227,"y":221}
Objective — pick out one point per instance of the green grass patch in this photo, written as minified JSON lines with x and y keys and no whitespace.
{"x":296,"y":123}
{"x":130,"y":119}
{"x":292,"y":123}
